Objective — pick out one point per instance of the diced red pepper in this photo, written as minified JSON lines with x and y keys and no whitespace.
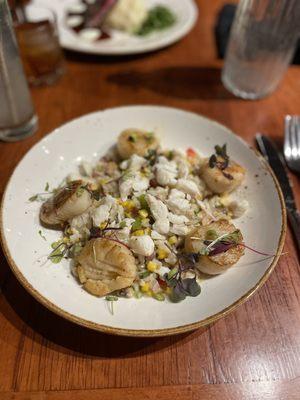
{"x":191,"y":152}
{"x":162,"y":283}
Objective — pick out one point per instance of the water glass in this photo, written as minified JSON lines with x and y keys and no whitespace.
{"x":17,"y":116}
{"x":262,"y":42}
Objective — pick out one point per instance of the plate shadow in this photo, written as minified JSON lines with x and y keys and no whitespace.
{"x":180,"y":82}
{"x":20,"y":308}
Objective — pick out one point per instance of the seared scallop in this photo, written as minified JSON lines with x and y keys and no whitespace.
{"x":69,"y":202}
{"x":135,"y":141}
{"x":105,"y":265}
{"x":219,"y":179}
{"x":220,"y":257}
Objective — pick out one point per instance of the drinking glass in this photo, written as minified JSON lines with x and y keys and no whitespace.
{"x":17,"y":116}
{"x":262,"y":43}
{"x":39,"y":46}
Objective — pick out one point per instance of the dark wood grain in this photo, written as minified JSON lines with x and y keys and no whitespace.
{"x":254,"y":352}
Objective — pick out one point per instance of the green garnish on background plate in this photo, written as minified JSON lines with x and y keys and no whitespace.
{"x":159,"y":18}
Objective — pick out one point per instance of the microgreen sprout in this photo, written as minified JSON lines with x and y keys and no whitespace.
{"x":111,"y":299}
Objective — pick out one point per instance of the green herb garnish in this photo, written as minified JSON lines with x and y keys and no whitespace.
{"x":185,"y":287}
{"x":57,"y":255}
{"x":172,"y":273}
{"x":80,"y":190}
{"x":41,"y":235}
{"x":220,"y":153}
{"x":59,"y":250}
{"x":75,"y":250}
{"x":143,"y":203}
{"x":137,"y":224}
{"x":149,"y":137}
{"x":212,"y":161}
{"x":159,"y":296}
{"x":54,"y":245}
{"x":111,"y":299}
{"x":211,"y":234}
{"x":34,"y":198}
{"x":170,"y":155}
{"x":96,"y":194}
{"x":132,"y":138}
{"x":235,"y":236}
{"x":144,"y":274}
{"x":159,"y":18}
{"x":137,"y":294}
{"x":180,"y":286}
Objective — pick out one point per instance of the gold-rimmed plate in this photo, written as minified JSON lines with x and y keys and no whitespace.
{"x":89,"y":137}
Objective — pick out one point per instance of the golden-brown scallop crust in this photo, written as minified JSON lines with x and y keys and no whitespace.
{"x":67,"y":203}
{"x":219,"y":263}
{"x":221,"y":181}
{"x":135,"y":141}
{"x":105,"y":265}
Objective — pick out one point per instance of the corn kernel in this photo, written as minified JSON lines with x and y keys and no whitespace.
{"x":172,"y":239}
{"x":168,"y":290}
{"x":224,"y":200}
{"x":104,"y":181}
{"x":143,"y":213}
{"x":147,"y":231}
{"x":103,"y":225}
{"x":65,"y":240}
{"x":139,"y":232}
{"x":145,"y":287}
{"x":128,"y":214}
{"x":158,"y":296}
{"x":128,"y":204}
{"x":199,"y":196}
{"x":162,"y":254}
{"x":151,"y":266}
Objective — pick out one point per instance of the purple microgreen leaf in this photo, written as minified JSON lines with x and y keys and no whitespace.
{"x":212,"y":161}
{"x":221,"y":247}
{"x":177,"y":294}
{"x":228,"y":176}
{"x":190,"y":287}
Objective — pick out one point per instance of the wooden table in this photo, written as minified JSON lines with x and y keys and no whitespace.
{"x":254,"y":353}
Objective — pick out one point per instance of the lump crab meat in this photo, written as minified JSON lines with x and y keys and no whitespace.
{"x":105,"y":265}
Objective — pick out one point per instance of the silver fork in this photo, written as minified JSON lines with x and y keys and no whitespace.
{"x":292,"y":142}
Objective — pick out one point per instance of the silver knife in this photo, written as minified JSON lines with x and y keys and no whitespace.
{"x":276,"y":162}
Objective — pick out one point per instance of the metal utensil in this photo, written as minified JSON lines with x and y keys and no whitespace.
{"x":274,"y":158}
{"x":292,"y":142}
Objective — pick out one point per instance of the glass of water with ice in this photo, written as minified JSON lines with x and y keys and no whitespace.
{"x":262,"y":42}
{"x":17,"y":116}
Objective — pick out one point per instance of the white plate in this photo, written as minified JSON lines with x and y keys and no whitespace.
{"x":120,"y":43}
{"x":87,"y":138}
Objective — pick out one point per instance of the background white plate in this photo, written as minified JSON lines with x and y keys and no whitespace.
{"x":87,"y":138}
{"x":121,"y":43}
